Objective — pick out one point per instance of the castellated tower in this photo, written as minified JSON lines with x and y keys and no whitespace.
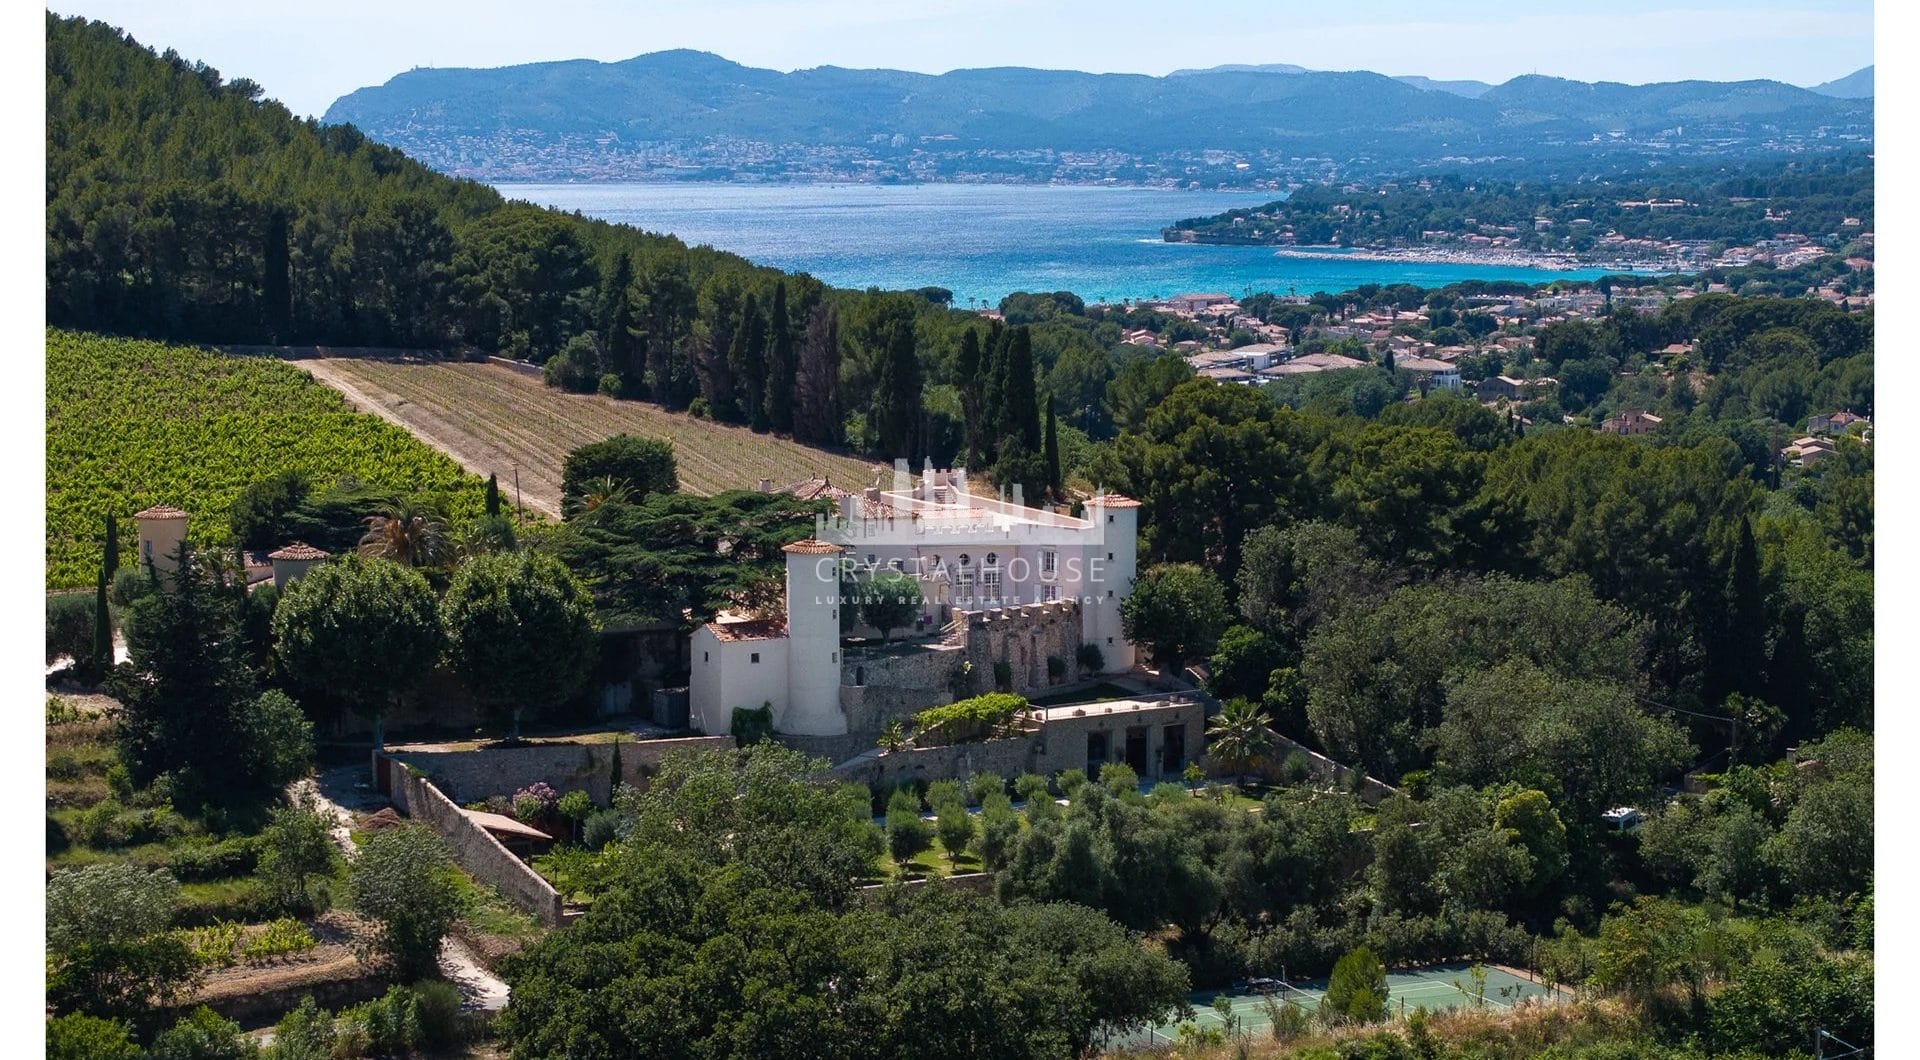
{"x":1116,"y":526}
{"x":813,"y":649}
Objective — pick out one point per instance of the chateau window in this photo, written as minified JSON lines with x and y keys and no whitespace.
{"x":993,"y":558}
{"x":836,"y":657}
{"x":1109,"y":557}
{"x":706,"y":656}
{"x":1050,"y":593}
{"x":1109,"y":518}
{"x":1049,"y":561}
{"x":990,"y":582}
{"x":756,"y":656}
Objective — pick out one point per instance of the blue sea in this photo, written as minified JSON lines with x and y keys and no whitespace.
{"x":984,"y":241}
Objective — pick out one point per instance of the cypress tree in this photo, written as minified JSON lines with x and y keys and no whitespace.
{"x":1745,"y":657}
{"x":993,"y":394}
{"x":897,"y":392}
{"x":780,"y":364}
{"x":748,"y":359}
{"x":1055,"y":484}
{"x":817,"y":416}
{"x":102,"y":627}
{"x":110,"y":561}
{"x":967,"y":370}
{"x":1022,"y":399}
{"x":493,"y":495}
{"x":613,"y":780}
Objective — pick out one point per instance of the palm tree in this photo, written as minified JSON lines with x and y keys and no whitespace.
{"x":413,"y":537}
{"x":893,"y":735}
{"x":600,"y":493}
{"x":1239,"y":736}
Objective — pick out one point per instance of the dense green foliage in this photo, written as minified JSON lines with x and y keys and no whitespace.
{"x":672,"y":553}
{"x":731,"y":927}
{"x":357,"y":634}
{"x":635,"y":467}
{"x":402,"y":881}
{"x":977,"y":718}
{"x":132,"y":424}
{"x":521,"y":631}
{"x":1176,"y":611}
{"x":1729,"y":204}
{"x":191,"y":706}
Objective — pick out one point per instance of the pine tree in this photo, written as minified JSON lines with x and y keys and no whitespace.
{"x":492,"y":503}
{"x":620,"y":346}
{"x":817,"y":417}
{"x":1056,"y":486}
{"x":780,"y":364}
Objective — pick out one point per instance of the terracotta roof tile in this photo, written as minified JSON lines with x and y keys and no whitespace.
{"x":811,"y":547}
{"x":160,"y":511}
{"x":299,"y":550}
{"x":1120,"y":500}
{"x":815,"y":487}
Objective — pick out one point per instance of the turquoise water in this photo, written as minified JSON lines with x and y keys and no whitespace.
{"x":984,"y":241}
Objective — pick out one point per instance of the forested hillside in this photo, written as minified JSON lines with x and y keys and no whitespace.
{"x":1742,"y":203}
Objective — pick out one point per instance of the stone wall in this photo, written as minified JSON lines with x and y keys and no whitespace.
{"x":896,"y":681}
{"x":474,"y":848}
{"x":1322,"y":769}
{"x":1060,"y":743}
{"x":1023,"y":637}
{"x":469,"y":776}
{"x":1006,"y":758}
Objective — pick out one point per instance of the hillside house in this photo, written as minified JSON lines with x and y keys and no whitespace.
{"x":1631,"y":423}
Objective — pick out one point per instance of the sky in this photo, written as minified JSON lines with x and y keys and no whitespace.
{"x":308,"y":55}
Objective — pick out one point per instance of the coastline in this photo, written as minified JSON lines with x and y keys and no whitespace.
{"x":1472,"y":258}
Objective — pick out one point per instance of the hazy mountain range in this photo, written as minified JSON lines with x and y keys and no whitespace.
{"x":1856,"y":85}
{"x":695,"y":113}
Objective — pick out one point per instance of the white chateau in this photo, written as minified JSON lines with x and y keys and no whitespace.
{"x":1015,"y":587}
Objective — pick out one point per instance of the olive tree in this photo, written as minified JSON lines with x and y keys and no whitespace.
{"x":403,"y":881}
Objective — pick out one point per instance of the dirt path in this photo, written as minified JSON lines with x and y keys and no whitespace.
{"x":538,"y":490}
{"x":333,"y":791}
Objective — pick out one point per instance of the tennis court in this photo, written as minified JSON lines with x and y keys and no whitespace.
{"x":1439,"y":987}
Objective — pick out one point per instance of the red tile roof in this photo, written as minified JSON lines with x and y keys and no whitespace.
{"x":299,"y":550}
{"x":1120,"y":500}
{"x":815,"y":487}
{"x":811,"y":547}
{"x":160,"y":511}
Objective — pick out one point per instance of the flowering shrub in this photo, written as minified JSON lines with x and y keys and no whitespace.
{"x":534,"y":800}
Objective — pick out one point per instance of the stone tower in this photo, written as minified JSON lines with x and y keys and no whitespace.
{"x":813,"y":641}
